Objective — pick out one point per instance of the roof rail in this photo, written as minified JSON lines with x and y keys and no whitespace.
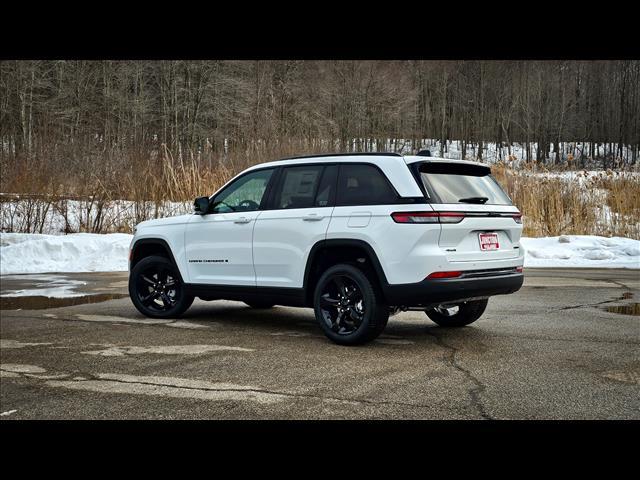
{"x":373,"y":154}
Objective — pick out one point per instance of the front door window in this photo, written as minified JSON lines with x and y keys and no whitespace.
{"x":243,"y":195}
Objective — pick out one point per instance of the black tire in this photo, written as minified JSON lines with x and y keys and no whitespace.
{"x":260,"y":305}
{"x":468,"y":312}
{"x":156,"y":288}
{"x":364,"y":314}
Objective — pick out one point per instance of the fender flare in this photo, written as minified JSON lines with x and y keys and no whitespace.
{"x":163,"y":243}
{"x":344,"y":242}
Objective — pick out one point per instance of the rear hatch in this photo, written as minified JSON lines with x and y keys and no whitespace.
{"x":478,"y":220}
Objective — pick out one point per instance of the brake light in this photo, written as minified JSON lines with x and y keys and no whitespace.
{"x":517,"y":217}
{"x":444,"y":274}
{"x":427,"y":217}
{"x":519,"y":269}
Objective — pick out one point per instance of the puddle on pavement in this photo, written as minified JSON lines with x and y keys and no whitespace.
{"x":39,"y":302}
{"x":628,"y":309}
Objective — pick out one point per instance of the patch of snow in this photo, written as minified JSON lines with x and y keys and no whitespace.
{"x":581,"y":251}
{"x":77,"y":252}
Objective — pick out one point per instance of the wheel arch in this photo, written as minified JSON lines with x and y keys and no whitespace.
{"x":146,"y":247}
{"x":325,"y":253}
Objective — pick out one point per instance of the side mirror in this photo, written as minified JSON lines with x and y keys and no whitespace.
{"x":201,"y":205}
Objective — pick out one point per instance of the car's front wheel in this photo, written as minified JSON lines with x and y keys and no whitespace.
{"x":457,"y":315}
{"x":156,"y":290}
{"x":347,"y":306}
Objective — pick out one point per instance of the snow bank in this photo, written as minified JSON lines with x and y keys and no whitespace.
{"x":77,"y":252}
{"x":581,"y":251}
{"x":87,"y":252}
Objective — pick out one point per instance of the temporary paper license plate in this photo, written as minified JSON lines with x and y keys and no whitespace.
{"x":489,"y":241}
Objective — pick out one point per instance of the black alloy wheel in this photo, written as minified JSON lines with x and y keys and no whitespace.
{"x":156,"y":290}
{"x":348,"y":306}
{"x":342,"y":305}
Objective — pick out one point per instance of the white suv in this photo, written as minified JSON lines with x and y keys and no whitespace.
{"x":355,"y":236}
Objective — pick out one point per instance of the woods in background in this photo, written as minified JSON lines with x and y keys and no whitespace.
{"x":89,"y":120}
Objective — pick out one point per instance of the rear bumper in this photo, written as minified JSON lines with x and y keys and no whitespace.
{"x":436,"y":291}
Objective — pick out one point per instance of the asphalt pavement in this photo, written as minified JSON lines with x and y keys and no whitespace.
{"x":564,"y":347}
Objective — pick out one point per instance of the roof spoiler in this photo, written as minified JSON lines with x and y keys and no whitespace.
{"x":456,"y":168}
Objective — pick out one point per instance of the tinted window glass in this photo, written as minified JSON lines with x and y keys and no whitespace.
{"x":462,"y":184}
{"x":243,"y":195}
{"x":298,"y":187}
{"x":326,"y":191}
{"x":363,"y":185}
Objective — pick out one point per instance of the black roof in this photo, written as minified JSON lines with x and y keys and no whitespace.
{"x":371,"y":154}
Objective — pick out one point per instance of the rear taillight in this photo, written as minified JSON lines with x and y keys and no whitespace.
{"x":519,"y":269}
{"x":451,"y":217}
{"x":446,"y":217}
{"x":444,"y":274}
{"x":427,"y":217}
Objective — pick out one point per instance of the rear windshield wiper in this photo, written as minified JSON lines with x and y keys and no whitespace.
{"x":474,"y":200}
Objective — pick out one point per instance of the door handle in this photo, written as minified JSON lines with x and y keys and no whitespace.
{"x":312,"y":217}
{"x":242,"y":220}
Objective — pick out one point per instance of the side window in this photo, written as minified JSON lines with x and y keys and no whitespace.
{"x":243,"y":195}
{"x":298,"y":187}
{"x":327,"y":190}
{"x":363,"y":185}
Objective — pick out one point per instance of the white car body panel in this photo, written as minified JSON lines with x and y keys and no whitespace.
{"x":219,"y":248}
{"x":282,"y":241}
{"x":171,"y":230}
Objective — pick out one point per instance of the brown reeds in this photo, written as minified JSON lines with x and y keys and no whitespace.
{"x":606,"y":203}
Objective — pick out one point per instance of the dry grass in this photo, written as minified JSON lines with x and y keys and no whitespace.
{"x":150,"y":184}
{"x":605,"y":204}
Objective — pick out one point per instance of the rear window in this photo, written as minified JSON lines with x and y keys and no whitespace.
{"x":459,"y":183}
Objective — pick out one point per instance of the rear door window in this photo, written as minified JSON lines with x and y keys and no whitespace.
{"x":327,"y":189}
{"x":363,"y":185}
{"x":460,"y":183}
{"x":298,"y":187}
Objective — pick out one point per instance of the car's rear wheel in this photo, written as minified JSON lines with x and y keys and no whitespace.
{"x":457,"y":315}
{"x":156,"y":290}
{"x":347,"y":306}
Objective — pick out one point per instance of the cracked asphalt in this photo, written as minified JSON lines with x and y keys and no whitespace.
{"x":550,"y":351}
